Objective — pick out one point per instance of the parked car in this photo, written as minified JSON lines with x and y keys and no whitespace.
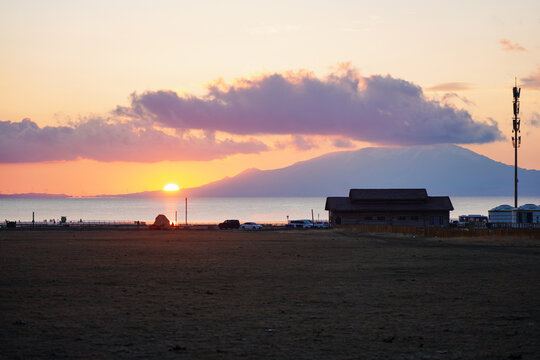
{"x":229,"y":224}
{"x":321,"y":225}
{"x":300,"y":224}
{"x":251,"y":226}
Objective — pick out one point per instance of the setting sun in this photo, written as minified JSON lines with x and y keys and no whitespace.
{"x":171,"y":187}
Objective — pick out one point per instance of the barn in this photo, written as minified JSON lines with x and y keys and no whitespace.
{"x":401,"y":207}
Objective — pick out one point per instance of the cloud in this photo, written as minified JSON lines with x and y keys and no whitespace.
{"x":534,"y":120}
{"x":508,"y":46}
{"x":103,"y":140}
{"x":302,"y":143}
{"x":450,"y":86}
{"x":378,"y":109}
{"x":162,"y":125}
{"x":532,"y":81}
{"x":342,"y":143}
{"x":449,"y":96}
{"x":297,"y":142}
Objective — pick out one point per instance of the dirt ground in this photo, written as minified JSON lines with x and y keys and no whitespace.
{"x":274,"y":295}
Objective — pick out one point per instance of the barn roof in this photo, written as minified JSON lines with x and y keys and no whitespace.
{"x":387,"y":194}
{"x":389,"y":200}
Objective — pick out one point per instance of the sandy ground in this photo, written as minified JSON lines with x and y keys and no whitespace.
{"x":274,"y":295}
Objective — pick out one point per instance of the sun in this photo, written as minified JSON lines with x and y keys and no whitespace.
{"x":171,"y":187}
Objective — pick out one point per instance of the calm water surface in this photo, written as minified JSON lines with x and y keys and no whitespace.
{"x":201,"y":210}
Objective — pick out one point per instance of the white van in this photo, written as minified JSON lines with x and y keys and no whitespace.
{"x":300,"y":224}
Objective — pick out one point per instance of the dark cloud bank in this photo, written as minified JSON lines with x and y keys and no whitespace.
{"x":378,"y":109}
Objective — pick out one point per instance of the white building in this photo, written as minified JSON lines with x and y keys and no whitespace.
{"x":526,"y":214}
{"x":501,"y":214}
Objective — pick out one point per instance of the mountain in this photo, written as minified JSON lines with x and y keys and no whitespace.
{"x":441,"y":169}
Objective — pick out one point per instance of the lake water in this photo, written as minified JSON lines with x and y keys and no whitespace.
{"x":206,"y":210}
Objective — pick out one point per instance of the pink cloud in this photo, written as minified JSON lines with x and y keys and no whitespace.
{"x":532,"y":81}
{"x":162,"y":125}
{"x":101,"y":140}
{"x":378,"y":109}
{"x":508,"y":46}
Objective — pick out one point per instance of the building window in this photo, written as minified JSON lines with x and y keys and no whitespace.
{"x":402,"y":218}
{"x":435,"y":220}
{"x":380,"y":218}
{"x":415,"y":218}
{"x":368,"y":218}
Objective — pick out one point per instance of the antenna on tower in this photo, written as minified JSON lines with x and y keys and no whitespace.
{"x":516,"y":138}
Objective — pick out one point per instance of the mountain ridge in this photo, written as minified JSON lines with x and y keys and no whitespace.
{"x":441,"y":169}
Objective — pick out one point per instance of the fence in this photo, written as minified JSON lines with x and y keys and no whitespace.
{"x":76,"y":224}
{"x":531,"y":232}
{"x":112,"y":224}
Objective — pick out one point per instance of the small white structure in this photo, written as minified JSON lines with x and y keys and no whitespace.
{"x":526,"y":214}
{"x":501,"y":214}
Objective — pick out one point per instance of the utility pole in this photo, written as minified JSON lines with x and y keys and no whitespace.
{"x":516,"y":139}
{"x":186,"y":211}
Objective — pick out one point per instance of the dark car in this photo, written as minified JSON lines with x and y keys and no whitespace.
{"x":229,"y":224}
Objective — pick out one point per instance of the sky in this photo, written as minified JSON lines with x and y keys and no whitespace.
{"x":114,"y":97}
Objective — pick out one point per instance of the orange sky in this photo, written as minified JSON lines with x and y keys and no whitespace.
{"x":212,"y":87}
{"x":89,"y":177}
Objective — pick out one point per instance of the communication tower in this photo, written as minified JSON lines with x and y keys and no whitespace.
{"x":516,"y":139}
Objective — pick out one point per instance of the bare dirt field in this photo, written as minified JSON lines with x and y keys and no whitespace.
{"x":274,"y":295}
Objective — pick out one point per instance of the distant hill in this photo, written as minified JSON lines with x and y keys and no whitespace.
{"x":441,"y":169}
{"x":143,"y":194}
{"x":34,"y":196}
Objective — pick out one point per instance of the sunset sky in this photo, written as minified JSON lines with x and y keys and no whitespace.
{"x":112,"y":97}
